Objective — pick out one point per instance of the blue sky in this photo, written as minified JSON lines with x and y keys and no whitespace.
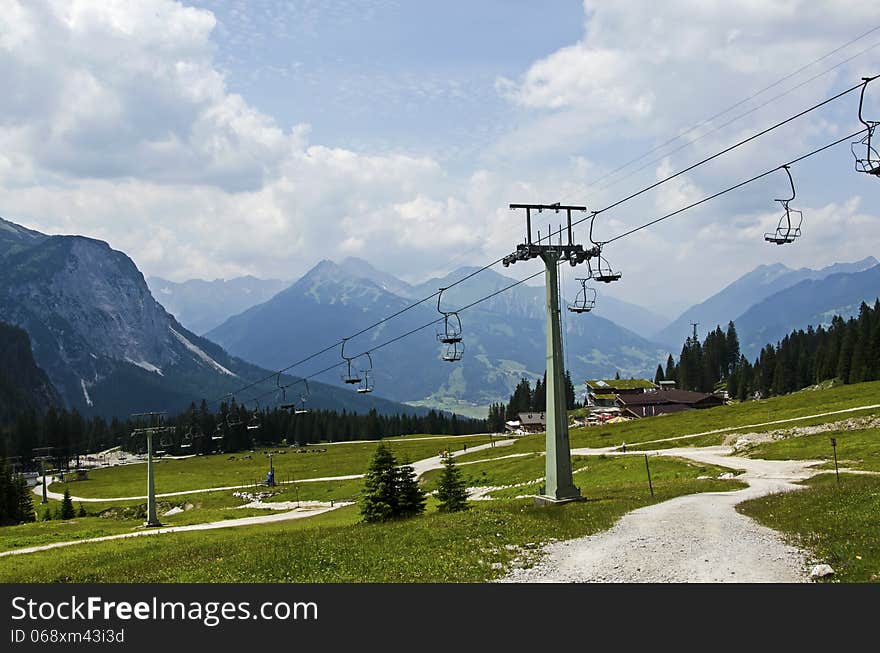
{"x":214,"y":139}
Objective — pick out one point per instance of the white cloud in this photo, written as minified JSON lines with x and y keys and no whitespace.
{"x":117,"y":122}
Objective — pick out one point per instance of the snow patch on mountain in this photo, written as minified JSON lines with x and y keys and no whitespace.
{"x":86,"y":392}
{"x":201,"y":354}
{"x":146,"y":366}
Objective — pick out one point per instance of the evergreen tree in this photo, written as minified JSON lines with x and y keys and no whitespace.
{"x":658,"y":375}
{"x":671,"y":373}
{"x":410,"y":497}
{"x":25,"y":507}
{"x":732,"y":342}
{"x":451,"y":489}
{"x":66,"y":511}
{"x":47,"y":514}
{"x":81,"y":512}
{"x":380,"y":497}
{"x":570,"y":396}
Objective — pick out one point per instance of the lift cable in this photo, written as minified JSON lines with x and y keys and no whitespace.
{"x":615,"y":238}
{"x":708,"y":120}
{"x":732,"y":188}
{"x":407,"y":334}
{"x":495,"y":262}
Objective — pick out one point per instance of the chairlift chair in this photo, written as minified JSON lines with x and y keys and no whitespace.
{"x":255,"y":420}
{"x":366,"y":385}
{"x":585,"y":300}
{"x":787,"y":231}
{"x":866,"y":154}
{"x":451,"y":332}
{"x":302,"y":410}
{"x":603,"y":271}
{"x":187,"y":440}
{"x":350,"y":377}
{"x":453,"y":352}
{"x":165,"y":441}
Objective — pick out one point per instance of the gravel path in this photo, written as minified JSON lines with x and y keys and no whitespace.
{"x":692,"y":539}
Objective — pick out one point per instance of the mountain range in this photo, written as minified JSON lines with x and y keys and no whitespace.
{"x":202,"y":305}
{"x":504,"y":336}
{"x":737,"y":298}
{"x":811,"y":302}
{"x":108,"y":346}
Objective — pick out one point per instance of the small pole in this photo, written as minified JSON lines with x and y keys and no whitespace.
{"x":834,"y":448}
{"x":647,"y":467}
{"x":43,"y":473}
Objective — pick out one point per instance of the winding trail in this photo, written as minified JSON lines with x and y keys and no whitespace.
{"x":698,"y":538}
{"x":422,"y":466}
{"x":297,"y":513}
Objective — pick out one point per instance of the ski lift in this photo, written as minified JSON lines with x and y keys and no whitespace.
{"x":451,"y":333}
{"x":350,"y":377}
{"x":786,"y":230}
{"x":187,"y":441}
{"x":585,"y":300}
{"x":232,"y":418}
{"x":302,"y":410}
{"x":603,"y":272}
{"x":453,"y":352}
{"x":367,"y":384}
{"x":218,"y":434}
{"x":282,"y":389}
{"x":255,"y":421}
{"x":866,"y":154}
{"x":165,"y":441}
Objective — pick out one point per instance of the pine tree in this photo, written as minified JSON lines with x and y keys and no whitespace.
{"x":658,"y":375}
{"x":570,"y":397}
{"x":81,"y":512}
{"x":671,"y":373}
{"x":66,"y":511}
{"x":380,"y":496}
{"x":25,"y":507}
{"x":410,"y":497}
{"x":451,"y":489}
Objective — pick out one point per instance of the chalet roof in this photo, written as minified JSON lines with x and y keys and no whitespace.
{"x":610,"y":385}
{"x":671,"y":396}
{"x":653,"y":410}
{"x":532,"y":418}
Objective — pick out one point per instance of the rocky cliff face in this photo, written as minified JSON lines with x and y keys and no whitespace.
{"x":107,"y":345}
{"x":87,"y":308}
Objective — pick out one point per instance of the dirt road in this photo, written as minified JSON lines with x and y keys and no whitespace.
{"x":693,"y":539}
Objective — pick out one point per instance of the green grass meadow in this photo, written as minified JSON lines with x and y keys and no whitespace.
{"x":837,"y":523}
{"x":834,"y":523}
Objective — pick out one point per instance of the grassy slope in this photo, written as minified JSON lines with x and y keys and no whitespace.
{"x":217,"y":471}
{"x":838,"y":524}
{"x":336,"y":547}
{"x":856,"y":449}
{"x":737,"y":415}
{"x":356,"y":551}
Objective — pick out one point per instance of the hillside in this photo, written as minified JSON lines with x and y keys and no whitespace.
{"x":23,"y":385}
{"x":807,"y":303}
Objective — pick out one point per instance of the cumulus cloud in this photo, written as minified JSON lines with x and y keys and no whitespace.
{"x":118,"y":122}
